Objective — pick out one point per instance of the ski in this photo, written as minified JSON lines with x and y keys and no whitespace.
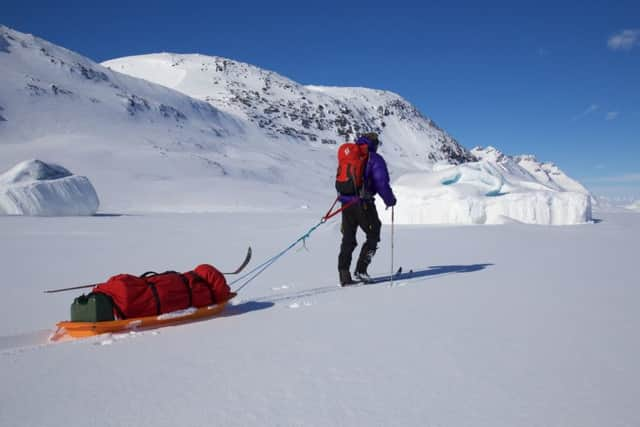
{"x":380,"y":279}
{"x":53,"y":291}
{"x":247,"y":258}
{"x":398,"y":275}
{"x":352,"y":285}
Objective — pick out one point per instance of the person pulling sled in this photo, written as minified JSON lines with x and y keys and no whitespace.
{"x":362,"y":173}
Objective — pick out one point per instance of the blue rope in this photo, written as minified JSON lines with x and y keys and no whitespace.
{"x":252,"y":274}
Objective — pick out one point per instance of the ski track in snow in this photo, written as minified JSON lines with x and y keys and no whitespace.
{"x":39,"y":340}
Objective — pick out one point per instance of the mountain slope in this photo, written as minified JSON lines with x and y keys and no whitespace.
{"x":145,"y":147}
{"x":280,"y":106}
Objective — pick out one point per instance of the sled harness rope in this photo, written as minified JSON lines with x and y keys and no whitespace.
{"x":255,"y":272}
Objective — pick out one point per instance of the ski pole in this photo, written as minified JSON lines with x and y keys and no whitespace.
{"x":392,"y":245}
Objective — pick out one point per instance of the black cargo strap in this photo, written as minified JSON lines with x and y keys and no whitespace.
{"x":186,"y":285}
{"x":154,"y":291}
{"x":156,"y":296}
{"x":148,"y":274}
{"x":184,"y":280}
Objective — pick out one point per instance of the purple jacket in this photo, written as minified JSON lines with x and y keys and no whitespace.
{"x":376,"y":177}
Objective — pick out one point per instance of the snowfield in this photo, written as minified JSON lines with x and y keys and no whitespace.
{"x":512,"y":325}
{"x":36,"y":188}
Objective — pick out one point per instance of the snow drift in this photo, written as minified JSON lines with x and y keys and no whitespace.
{"x":36,"y":188}
{"x":484,"y":193}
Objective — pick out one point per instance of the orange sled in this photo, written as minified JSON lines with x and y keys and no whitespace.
{"x":88,"y":329}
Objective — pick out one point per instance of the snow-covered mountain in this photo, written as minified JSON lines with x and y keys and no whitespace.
{"x":185,"y":133}
{"x":142,"y":145}
{"x":147,"y":147}
{"x":280,"y":106}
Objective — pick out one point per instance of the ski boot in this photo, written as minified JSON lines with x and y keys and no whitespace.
{"x":366,"y":255}
{"x":362,"y":276}
{"x":345,"y":278}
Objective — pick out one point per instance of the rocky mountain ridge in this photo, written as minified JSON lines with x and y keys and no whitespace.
{"x":282,"y":107}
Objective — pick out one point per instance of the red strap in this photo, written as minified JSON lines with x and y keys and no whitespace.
{"x":330,"y":214}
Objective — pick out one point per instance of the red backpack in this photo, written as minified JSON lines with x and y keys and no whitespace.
{"x":352,"y":159}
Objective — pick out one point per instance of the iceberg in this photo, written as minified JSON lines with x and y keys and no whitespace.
{"x":36,"y":188}
{"x":483,"y":193}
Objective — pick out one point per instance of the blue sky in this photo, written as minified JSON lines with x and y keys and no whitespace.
{"x":557,"y":79}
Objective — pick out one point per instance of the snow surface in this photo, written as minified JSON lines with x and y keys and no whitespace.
{"x":514,"y":325}
{"x":36,"y":188}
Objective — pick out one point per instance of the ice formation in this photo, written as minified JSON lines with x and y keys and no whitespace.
{"x":35,"y":188}
{"x":483,"y":193}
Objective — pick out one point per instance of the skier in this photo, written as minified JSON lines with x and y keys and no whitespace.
{"x":362,"y":213}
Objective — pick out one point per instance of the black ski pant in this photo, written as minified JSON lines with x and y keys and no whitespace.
{"x":364,"y":215}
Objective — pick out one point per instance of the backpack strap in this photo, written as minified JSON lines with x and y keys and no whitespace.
{"x":154,"y":291}
{"x":183,"y":279}
{"x":186,"y":285}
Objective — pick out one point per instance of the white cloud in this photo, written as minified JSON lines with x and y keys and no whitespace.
{"x":590,"y":110}
{"x":612,"y":115}
{"x":624,"y":40}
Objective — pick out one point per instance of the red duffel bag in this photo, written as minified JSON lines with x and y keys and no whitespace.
{"x":152,"y":293}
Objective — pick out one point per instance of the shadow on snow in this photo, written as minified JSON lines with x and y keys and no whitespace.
{"x":245,"y":307}
{"x":431,"y":272}
{"x":434,"y":270}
